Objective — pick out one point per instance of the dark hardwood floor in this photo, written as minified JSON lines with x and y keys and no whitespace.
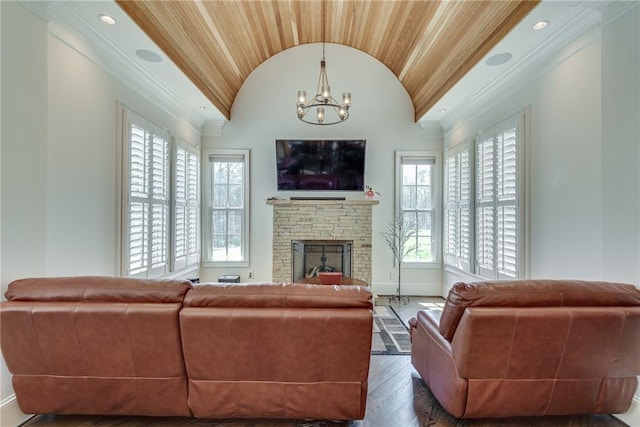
{"x":397,"y":397}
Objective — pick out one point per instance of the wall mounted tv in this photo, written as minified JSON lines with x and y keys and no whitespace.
{"x":334,"y":165}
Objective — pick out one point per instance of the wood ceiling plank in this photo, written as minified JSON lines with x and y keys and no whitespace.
{"x":155,"y":28}
{"x":520,"y":10}
{"x":428,"y":45}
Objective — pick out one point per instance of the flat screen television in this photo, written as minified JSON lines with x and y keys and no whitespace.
{"x":333,"y":165}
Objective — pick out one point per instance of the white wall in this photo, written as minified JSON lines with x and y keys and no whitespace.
{"x":621,"y":147}
{"x":382,"y":114}
{"x":23,"y":145}
{"x":81,"y":160}
{"x":583,"y":160}
{"x":564,"y":202}
{"x":621,"y":157}
{"x":58,"y":154}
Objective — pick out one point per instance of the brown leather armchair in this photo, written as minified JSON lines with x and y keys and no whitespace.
{"x":527,"y":348}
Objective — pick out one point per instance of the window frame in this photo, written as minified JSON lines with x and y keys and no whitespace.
{"x":190,"y":260}
{"x":519,"y":121}
{"x":458,"y":204}
{"x":170,"y":268}
{"x":131,"y":118}
{"x":436,"y":235}
{"x":209,"y":154}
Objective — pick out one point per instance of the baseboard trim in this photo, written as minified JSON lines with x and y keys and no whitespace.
{"x":632,"y":416}
{"x":10,"y":413}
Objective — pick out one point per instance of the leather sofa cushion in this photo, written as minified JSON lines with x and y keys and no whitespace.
{"x":97,"y":289}
{"x":278,"y":295}
{"x":532,"y":293}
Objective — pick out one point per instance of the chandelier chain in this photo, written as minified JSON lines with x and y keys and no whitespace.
{"x":324,"y":24}
{"x":322,"y":102}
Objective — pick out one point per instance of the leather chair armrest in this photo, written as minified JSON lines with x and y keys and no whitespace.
{"x":432,"y":356}
{"x":427,"y":317}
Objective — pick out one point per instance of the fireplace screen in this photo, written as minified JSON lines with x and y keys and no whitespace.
{"x":311,"y":257}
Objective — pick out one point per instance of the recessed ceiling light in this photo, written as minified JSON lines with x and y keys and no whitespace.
{"x":442,"y":110}
{"x":147,"y":55}
{"x":107,"y":19}
{"x":498,"y":59}
{"x":539,"y":25}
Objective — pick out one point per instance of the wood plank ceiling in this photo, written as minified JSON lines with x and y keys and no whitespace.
{"x":429,"y":45}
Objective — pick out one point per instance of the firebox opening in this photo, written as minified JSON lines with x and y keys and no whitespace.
{"x":310,"y":257}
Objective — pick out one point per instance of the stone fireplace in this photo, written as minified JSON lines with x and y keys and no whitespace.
{"x":324,"y":220}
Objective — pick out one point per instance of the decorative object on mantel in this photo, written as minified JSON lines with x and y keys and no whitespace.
{"x":397,"y":235}
{"x":323,"y":98}
{"x":370,"y":193}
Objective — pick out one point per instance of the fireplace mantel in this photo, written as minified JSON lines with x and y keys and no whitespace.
{"x":285,"y":202}
{"x":322,"y":219}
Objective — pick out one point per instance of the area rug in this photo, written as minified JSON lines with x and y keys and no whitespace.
{"x":390,"y":335}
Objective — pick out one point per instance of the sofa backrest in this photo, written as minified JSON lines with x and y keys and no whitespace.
{"x":532,"y":293}
{"x":548,"y":342}
{"x":277,"y":350}
{"x":97,"y":289}
{"x":278,"y":295}
{"x":98,"y":345}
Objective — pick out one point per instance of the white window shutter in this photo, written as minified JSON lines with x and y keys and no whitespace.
{"x":180,"y":233}
{"x":147,"y":226}
{"x":497,"y":202}
{"x":458,"y":187}
{"x":193,"y":208}
{"x":186,"y":207}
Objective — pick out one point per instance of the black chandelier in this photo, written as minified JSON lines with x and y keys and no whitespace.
{"x":323,"y":102}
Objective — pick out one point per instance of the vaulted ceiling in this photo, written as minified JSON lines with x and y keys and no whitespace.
{"x":429,"y":45}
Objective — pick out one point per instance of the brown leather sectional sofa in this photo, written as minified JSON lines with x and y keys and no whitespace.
{"x":99,"y":345}
{"x":528,"y":348}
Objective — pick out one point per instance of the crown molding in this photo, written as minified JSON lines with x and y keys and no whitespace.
{"x":68,"y":26}
{"x":38,"y":8}
{"x":212,"y":127}
{"x":539,"y":60}
{"x":430,"y":129}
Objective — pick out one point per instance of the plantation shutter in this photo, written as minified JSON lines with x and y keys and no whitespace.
{"x":507,"y":202}
{"x":485,"y":202}
{"x":464,"y":210}
{"x":148,"y":202}
{"x":458,"y":208}
{"x":193,"y":208}
{"x":186,"y":184}
{"x":497,"y":202}
{"x":180,"y":184}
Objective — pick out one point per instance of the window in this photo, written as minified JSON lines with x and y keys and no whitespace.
{"x":228,"y":213}
{"x":497,"y":202}
{"x":160,"y":200}
{"x":418,"y":203}
{"x":147,"y":207}
{"x":186,"y":206}
{"x":458,"y":208}
{"x":491,"y":196}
